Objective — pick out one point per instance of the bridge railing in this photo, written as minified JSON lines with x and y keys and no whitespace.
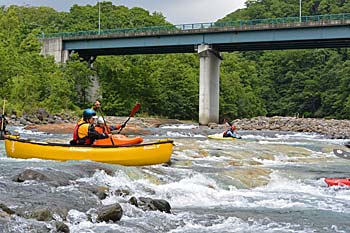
{"x":196,"y":26}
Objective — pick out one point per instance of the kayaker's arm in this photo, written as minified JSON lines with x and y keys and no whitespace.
{"x":93,"y":134}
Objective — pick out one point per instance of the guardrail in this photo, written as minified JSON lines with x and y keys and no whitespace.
{"x":196,"y":26}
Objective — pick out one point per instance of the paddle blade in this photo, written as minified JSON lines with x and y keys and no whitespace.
{"x":134,"y":110}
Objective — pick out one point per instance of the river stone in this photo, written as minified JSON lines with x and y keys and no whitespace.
{"x":6,"y":209}
{"x":4,"y":215}
{"x":99,"y":191}
{"x":44,"y":214}
{"x":147,"y":203}
{"x":162,"y":205}
{"x":113,"y":212}
{"x":30,"y":174}
{"x":133,"y":201}
{"x":61,"y":227}
{"x":49,"y":176}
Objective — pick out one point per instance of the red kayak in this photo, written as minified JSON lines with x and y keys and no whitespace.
{"x":337,"y":181}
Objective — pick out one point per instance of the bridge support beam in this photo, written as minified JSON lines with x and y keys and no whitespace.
{"x":54,"y":47}
{"x":209,"y":84}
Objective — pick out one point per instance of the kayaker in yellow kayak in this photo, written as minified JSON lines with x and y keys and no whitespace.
{"x":231,"y":132}
{"x":84,"y":131}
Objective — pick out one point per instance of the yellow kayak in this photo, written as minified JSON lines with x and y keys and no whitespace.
{"x":128,"y":155}
{"x":220,"y":137}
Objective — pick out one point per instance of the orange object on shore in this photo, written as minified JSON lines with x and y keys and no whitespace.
{"x":118,"y":140}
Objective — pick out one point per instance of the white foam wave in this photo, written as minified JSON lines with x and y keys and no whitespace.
{"x":179,"y":126}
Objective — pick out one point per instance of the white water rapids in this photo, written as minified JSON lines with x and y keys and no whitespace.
{"x":265,"y":182}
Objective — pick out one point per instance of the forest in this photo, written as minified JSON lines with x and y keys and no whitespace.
{"x":308,"y":83}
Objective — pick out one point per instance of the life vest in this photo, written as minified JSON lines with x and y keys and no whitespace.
{"x":76,"y":138}
{"x":102,"y":129}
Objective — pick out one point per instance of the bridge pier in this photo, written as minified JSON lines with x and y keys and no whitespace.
{"x":54,"y":47}
{"x":209,"y":84}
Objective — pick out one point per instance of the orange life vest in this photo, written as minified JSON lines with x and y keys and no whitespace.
{"x":102,"y":129}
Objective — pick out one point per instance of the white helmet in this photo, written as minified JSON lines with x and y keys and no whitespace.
{"x":100,"y":120}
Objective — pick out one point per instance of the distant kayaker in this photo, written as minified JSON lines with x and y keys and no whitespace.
{"x":101,"y":127}
{"x":231,"y":132}
{"x":3,"y":123}
{"x":84,"y":131}
{"x":97,"y":106}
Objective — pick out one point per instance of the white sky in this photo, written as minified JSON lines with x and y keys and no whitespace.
{"x":175,"y":11}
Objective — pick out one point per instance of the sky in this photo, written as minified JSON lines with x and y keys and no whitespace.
{"x":175,"y":11}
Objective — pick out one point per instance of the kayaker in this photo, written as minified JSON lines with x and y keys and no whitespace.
{"x":3,"y":123}
{"x":97,"y":106}
{"x":85,"y":132}
{"x":231,"y":132}
{"x":101,"y":127}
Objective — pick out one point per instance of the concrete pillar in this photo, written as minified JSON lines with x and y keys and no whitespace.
{"x":209,"y":84}
{"x":54,"y":47}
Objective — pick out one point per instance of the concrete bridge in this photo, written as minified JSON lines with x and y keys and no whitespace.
{"x":208,"y":40}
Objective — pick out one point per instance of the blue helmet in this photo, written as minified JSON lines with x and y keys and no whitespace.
{"x":88,"y":113}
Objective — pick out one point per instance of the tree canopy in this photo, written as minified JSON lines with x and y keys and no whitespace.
{"x":312,"y":83}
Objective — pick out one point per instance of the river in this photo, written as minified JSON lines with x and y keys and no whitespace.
{"x":268,"y":181}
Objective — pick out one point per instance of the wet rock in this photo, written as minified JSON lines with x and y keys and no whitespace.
{"x":89,"y":168}
{"x":113,"y":212}
{"x":99,"y":191}
{"x":162,"y":205}
{"x":41,"y":114}
{"x":42,"y":214}
{"x":332,"y":128}
{"x":133,"y":201}
{"x":61,"y":227}
{"x":212,"y":125}
{"x":121,"y":192}
{"x":30,"y":175}
{"x":4,"y":216}
{"x":147,"y":203}
{"x":6,"y":209}
{"x":49,"y":176}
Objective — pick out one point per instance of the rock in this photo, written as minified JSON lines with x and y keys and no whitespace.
{"x":113,"y":212}
{"x":162,"y":205}
{"x":133,"y":201}
{"x":52,"y":177}
{"x":99,"y":191}
{"x":61,"y":227}
{"x":42,"y":214}
{"x":147,"y":203}
{"x":121,"y":192}
{"x":212,"y":125}
{"x":6,"y":209}
{"x":41,"y":114}
{"x":30,"y":175}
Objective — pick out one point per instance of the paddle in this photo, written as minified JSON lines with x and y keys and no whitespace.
{"x":2,"y":130}
{"x":228,"y":122}
{"x":108,"y":131}
{"x":132,"y":113}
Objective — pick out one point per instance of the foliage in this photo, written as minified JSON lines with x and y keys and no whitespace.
{"x":312,"y":83}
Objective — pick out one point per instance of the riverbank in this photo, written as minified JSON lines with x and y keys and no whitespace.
{"x":331,"y":128}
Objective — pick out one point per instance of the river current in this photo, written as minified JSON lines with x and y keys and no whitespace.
{"x":266,"y":182}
